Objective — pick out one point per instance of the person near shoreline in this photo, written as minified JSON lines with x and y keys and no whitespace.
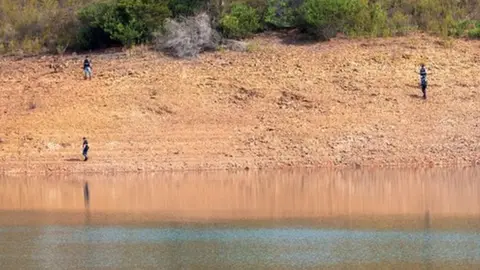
{"x":423,"y":80}
{"x":85,"y":149}
{"x":87,"y":68}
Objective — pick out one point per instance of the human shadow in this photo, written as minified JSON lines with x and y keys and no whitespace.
{"x":73,"y":159}
{"x":415,"y":96}
{"x":415,"y":86}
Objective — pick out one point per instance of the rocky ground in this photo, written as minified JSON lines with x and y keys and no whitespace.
{"x":334,"y":104}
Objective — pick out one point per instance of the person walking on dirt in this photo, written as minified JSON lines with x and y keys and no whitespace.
{"x":85,"y":148}
{"x":87,"y":68}
{"x":423,"y":80}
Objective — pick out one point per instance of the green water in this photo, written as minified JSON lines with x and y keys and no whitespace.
{"x":310,"y":220}
{"x":234,"y":246}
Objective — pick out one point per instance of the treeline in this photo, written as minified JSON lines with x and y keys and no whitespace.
{"x":32,"y":26}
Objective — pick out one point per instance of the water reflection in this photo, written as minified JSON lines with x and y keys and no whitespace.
{"x":86,"y":195}
{"x":255,"y":195}
{"x":361,"y":219}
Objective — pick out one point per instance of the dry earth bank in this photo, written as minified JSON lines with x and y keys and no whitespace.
{"x":341,"y":103}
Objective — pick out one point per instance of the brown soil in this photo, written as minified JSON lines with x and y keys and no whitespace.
{"x":341,"y":103}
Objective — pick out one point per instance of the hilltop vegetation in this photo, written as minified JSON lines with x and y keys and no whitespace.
{"x":34,"y":26}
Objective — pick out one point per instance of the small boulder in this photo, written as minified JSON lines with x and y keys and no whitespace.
{"x":235,"y":45}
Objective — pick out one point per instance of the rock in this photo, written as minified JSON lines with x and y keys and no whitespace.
{"x":235,"y":45}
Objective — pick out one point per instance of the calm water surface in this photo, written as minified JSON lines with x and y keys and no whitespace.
{"x":382,"y":219}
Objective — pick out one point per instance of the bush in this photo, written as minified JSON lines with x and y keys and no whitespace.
{"x":186,"y":8}
{"x":464,"y":27}
{"x":91,"y":34}
{"x":241,"y":22}
{"x":127,"y":22}
{"x":434,"y":16}
{"x":63,"y":35}
{"x":439,"y":17}
{"x":187,"y":37}
{"x":36,"y":26}
{"x":400,"y":24}
{"x":367,"y":20}
{"x":281,"y":13}
{"x":325,"y":18}
{"x":8,"y":35}
{"x":378,"y":22}
{"x":474,"y":33}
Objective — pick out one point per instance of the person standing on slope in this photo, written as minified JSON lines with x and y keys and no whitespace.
{"x":423,"y":80}
{"x":85,"y":149}
{"x":87,"y":68}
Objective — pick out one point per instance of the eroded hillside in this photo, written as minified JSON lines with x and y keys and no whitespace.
{"x":338,"y":103}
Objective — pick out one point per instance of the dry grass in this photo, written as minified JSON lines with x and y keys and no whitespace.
{"x":337,"y":103}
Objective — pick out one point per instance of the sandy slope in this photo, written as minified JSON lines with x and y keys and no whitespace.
{"x":328,"y":104}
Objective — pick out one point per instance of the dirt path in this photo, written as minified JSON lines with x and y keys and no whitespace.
{"x":342,"y":103}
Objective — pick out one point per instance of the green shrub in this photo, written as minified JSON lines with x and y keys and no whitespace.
{"x":474,"y":33}
{"x":230,"y":27}
{"x":461,"y":28}
{"x":31,"y":46}
{"x":33,"y":26}
{"x":242,"y":21}
{"x":281,"y":13}
{"x":367,"y":20}
{"x":378,"y":22}
{"x":186,"y":8}
{"x":325,"y":18}
{"x":91,"y":33}
{"x":127,"y":22}
{"x":437,"y":16}
{"x":441,"y":17}
{"x":400,"y":24}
